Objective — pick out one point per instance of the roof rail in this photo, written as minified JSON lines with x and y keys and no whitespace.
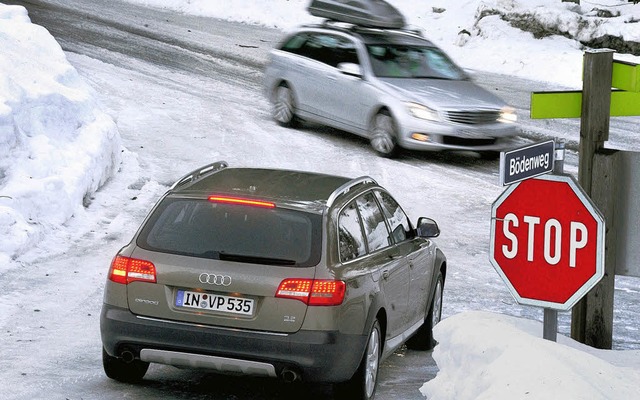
{"x":344,"y":189}
{"x":351,"y":27}
{"x":406,"y":29}
{"x":200,"y":173}
{"x":336,"y":23}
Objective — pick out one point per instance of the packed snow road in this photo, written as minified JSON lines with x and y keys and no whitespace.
{"x":185,"y":91}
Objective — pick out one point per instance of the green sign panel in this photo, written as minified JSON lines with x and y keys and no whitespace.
{"x":569,"y":104}
{"x":626,"y":76}
{"x":624,"y":102}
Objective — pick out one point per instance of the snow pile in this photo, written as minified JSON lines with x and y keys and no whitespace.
{"x":56,"y":146}
{"x":482,"y":355}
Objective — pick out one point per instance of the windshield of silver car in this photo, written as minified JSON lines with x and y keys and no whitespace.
{"x":402,"y":61}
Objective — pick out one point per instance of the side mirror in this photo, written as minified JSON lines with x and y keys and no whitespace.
{"x":350,"y":69}
{"x":427,"y":228}
{"x":470,"y":74}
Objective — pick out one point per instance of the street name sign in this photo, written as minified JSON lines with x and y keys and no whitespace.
{"x":547,"y":241}
{"x":527,"y":162}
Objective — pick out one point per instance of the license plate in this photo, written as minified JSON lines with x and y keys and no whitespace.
{"x":214,"y":302}
{"x":464,"y":133}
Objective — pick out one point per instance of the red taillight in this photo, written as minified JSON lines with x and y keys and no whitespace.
{"x":314,"y":292}
{"x":126,"y":270}
{"x":241,"y":201}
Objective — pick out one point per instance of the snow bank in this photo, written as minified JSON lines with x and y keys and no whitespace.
{"x":56,"y":146}
{"x":490,"y":356}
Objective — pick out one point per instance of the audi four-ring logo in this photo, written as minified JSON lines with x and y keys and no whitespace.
{"x":213,"y":279}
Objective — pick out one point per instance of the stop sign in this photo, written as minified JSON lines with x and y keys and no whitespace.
{"x":547,"y":241}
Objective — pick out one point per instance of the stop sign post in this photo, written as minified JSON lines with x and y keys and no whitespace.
{"x":547,"y":241}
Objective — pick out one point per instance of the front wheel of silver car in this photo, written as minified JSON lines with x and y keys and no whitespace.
{"x":284,"y":106}
{"x":362,"y":386}
{"x":490,"y":155}
{"x":383,"y":135}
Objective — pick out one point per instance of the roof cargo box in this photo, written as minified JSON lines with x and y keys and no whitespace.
{"x":370,"y":13}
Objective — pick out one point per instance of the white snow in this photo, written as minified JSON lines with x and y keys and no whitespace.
{"x":488,"y":356}
{"x":58,"y":147}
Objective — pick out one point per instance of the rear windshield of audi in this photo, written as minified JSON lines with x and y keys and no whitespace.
{"x":232,"y":232}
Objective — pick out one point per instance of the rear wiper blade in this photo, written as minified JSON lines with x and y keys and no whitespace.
{"x":214,"y":254}
{"x":254,"y":259}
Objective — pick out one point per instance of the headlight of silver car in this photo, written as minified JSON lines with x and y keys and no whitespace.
{"x":423,"y":112}
{"x":508,"y":114}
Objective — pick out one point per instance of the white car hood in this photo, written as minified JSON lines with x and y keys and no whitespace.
{"x":442,"y":93}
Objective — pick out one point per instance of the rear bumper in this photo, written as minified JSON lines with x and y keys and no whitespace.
{"x":317,"y":356}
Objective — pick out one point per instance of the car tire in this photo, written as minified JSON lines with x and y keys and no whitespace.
{"x":423,"y":338}
{"x":362,"y":386}
{"x":284,"y":106}
{"x":383,"y":135}
{"x":119,"y":370}
{"x":490,"y":155}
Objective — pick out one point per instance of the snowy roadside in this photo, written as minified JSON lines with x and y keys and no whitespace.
{"x":489,"y":356}
{"x":57,"y":146}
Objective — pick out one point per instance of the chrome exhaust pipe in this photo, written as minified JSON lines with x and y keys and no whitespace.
{"x":289,"y":375}
{"x":127,"y":356}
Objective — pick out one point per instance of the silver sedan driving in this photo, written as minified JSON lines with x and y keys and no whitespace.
{"x":391,"y":86}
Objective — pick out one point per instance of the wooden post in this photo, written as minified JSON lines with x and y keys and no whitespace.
{"x":588,"y":315}
{"x":598,"y":331}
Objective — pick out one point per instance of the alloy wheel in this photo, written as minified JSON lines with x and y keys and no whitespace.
{"x":383,"y":139}
{"x":372,"y":361}
{"x":283,"y":105}
{"x":437,"y":304}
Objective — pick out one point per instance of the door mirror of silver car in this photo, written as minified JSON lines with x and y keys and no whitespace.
{"x":427,"y":228}
{"x":350,"y":69}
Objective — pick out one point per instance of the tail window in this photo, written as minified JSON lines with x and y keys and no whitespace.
{"x":197,"y":227}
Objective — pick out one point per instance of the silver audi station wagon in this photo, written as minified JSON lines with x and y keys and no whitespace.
{"x":392,"y":86}
{"x":274,"y":273}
